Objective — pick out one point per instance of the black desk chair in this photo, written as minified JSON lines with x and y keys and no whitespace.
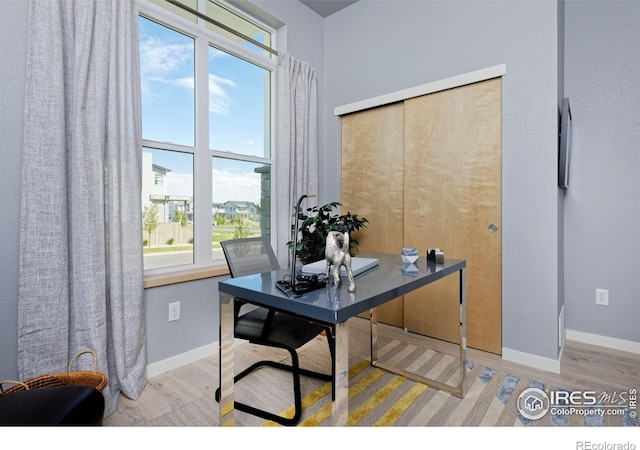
{"x":264,"y":326}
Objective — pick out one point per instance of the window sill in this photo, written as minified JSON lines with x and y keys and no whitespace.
{"x":164,"y":279}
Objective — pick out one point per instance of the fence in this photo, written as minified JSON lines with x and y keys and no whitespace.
{"x":169,"y":230}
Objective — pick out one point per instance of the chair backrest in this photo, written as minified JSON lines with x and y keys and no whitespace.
{"x":248,"y":256}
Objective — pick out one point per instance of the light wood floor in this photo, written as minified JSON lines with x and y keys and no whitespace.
{"x":184,"y":396}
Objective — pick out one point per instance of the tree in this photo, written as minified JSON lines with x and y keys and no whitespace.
{"x":180,"y":216}
{"x":150,"y":219}
{"x":241,"y":231}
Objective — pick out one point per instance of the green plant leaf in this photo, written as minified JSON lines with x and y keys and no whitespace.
{"x":316,"y":223}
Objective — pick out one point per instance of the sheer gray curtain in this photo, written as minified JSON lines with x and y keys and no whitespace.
{"x":81,"y":241}
{"x":296,"y":145}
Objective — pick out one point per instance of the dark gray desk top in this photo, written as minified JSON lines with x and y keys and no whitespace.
{"x":329,"y":305}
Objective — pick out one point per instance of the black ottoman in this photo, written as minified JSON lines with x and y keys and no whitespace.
{"x":60,"y":405}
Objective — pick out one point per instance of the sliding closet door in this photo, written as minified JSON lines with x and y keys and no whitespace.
{"x":372,"y":173}
{"x":452,"y":200}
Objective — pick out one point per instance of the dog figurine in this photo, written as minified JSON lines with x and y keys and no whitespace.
{"x":337,"y":253}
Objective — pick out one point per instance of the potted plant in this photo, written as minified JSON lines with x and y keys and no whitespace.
{"x":315,"y":224}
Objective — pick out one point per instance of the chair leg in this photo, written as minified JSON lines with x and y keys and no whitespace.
{"x":296,"y":371}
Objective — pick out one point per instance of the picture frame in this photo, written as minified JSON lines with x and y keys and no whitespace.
{"x":564,"y":149}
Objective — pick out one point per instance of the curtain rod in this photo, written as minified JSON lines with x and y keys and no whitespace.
{"x":221,"y":25}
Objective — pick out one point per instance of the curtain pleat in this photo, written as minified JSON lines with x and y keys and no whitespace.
{"x":80,"y":243}
{"x":297,"y":145}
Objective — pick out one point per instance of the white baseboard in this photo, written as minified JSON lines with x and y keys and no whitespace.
{"x":182,"y":359}
{"x":527,"y":359}
{"x":604,"y":341}
{"x":553,"y":365}
{"x":515,"y":356}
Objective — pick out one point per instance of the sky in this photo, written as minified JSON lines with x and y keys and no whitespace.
{"x":236,"y":111}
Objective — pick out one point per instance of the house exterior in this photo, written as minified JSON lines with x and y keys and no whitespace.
{"x":241,"y":209}
{"x":154,"y":191}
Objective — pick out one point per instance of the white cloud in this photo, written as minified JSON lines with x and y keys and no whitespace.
{"x":160,"y":62}
{"x":217,"y":53}
{"x":219,"y":100}
{"x":249,"y":142}
{"x":180,"y":183}
{"x":235,"y":186}
{"x":158,"y":57}
{"x":163,"y":62}
{"x":183,"y":82}
{"x":226,"y":185}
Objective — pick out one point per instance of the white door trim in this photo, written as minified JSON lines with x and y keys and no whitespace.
{"x":424,"y":89}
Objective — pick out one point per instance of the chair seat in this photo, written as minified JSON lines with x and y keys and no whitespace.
{"x":286,"y":330}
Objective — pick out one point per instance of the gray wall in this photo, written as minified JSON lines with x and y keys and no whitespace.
{"x":561,"y":193}
{"x":602,"y":204}
{"x":199,"y":318}
{"x":13,"y":44}
{"x":373,"y":48}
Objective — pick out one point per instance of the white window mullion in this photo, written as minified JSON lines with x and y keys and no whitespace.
{"x":202,"y":160}
{"x":233,"y":130}
{"x":272,"y":102}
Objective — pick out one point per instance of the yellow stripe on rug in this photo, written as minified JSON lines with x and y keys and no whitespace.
{"x":401,"y":406}
{"x":319,"y":393}
{"x":393,"y":400}
{"x":325,"y":412}
{"x":358,"y":414}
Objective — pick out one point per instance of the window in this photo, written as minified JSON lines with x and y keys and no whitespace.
{"x":207,"y":133}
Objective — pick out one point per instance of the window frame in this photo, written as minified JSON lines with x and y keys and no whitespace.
{"x":203,"y":265}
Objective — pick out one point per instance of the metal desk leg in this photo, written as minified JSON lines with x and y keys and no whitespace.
{"x":463,"y":330}
{"x":373,"y":335}
{"x":226,"y":360}
{"x":458,"y":390}
{"x":340,"y":405}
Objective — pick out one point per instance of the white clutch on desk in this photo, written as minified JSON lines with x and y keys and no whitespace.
{"x":358,"y":266}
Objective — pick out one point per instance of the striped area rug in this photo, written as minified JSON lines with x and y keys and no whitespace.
{"x":380,"y":398}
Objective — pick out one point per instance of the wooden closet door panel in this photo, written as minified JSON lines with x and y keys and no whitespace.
{"x":452,"y":194}
{"x":372,"y":173}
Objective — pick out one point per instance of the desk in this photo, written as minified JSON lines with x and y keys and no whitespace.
{"x":334,"y":307}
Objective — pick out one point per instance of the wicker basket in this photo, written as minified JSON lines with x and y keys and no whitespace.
{"x":93,"y":378}
{"x":19,"y":386}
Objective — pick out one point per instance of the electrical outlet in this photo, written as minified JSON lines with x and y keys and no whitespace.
{"x":602,"y":297}
{"x":174,"y":311}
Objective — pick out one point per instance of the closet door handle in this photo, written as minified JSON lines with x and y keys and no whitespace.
{"x":493,"y":228}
